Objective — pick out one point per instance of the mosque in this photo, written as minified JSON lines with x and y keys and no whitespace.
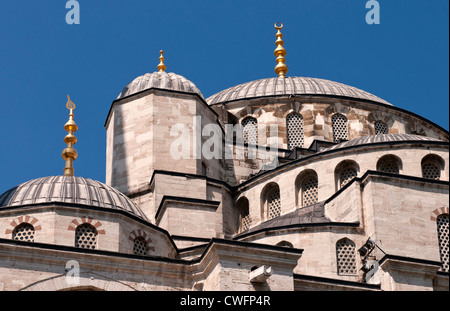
{"x":319,"y":186}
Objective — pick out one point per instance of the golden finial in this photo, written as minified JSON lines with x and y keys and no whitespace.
{"x":281,"y":69}
{"x":69,"y":154}
{"x":161,"y":66}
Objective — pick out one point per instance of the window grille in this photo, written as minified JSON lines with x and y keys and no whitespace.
{"x":388,"y":165}
{"x":431,"y":171}
{"x":294,"y":125}
{"x":310,"y":191}
{"x":340,"y":131}
{"x":274,"y":204}
{"x":347,"y":175}
{"x":250,"y":130}
{"x":346,"y":257}
{"x":380,"y":128}
{"x":86,"y":236}
{"x":443,"y":228}
{"x":24,"y":232}
{"x":140,"y":246}
{"x":245,"y":218}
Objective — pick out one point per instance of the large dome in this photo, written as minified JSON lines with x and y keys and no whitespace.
{"x":69,"y":189}
{"x":161,"y":80}
{"x":291,"y":86}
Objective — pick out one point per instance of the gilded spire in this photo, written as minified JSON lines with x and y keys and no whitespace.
{"x":69,"y":154}
{"x":161,"y":66}
{"x":281,"y":68}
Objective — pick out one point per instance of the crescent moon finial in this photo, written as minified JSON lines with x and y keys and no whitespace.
{"x":70,"y":104}
{"x":279,"y":27}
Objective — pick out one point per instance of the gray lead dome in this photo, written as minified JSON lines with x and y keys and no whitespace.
{"x":161,"y":80}
{"x":69,"y":189}
{"x":291,"y":86}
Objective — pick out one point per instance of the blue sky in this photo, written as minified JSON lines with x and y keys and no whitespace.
{"x":215,"y":44}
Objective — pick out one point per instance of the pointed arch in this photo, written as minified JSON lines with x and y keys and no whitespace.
{"x":23,"y":219}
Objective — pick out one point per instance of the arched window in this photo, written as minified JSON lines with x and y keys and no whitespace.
{"x":250,"y":130}
{"x":294,"y":127}
{"x":347,"y":175}
{"x":273,"y":204}
{"x":340,"y":129}
{"x":86,"y":236}
{"x":432,"y":166}
{"x":442,"y":229}
{"x":344,"y":172}
{"x":389,"y":164}
{"x":23,"y":232}
{"x":285,"y":244}
{"x":346,"y":257}
{"x":244,"y":214}
{"x":140,"y":246}
{"x":380,"y":128}
{"x":310,"y":190}
{"x":431,"y":171}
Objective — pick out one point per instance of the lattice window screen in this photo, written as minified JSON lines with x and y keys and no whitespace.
{"x":346,"y":257}
{"x":310,"y":191}
{"x":340,"y":130}
{"x":347,"y":175}
{"x":250,"y":130}
{"x":140,"y":246}
{"x":24,"y":232}
{"x":431,"y":171}
{"x":245,"y":218}
{"x":388,"y":165}
{"x":294,"y":125}
{"x":443,"y":229}
{"x":380,"y":128}
{"x":86,"y":236}
{"x":274,"y":204}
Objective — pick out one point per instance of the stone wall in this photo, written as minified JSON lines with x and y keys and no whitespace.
{"x":57,"y":224}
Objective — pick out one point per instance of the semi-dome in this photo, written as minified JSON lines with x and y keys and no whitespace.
{"x":291,"y":86}
{"x":69,"y":189}
{"x":381,"y":138}
{"x":160,"y":80}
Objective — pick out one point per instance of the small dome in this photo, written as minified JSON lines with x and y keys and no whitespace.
{"x":160,"y":80}
{"x":383,"y":138}
{"x":290,"y":86}
{"x":69,"y":189}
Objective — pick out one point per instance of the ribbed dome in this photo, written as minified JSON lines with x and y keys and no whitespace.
{"x":69,"y":189}
{"x":372,"y":139}
{"x":290,"y":86}
{"x":161,"y":80}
